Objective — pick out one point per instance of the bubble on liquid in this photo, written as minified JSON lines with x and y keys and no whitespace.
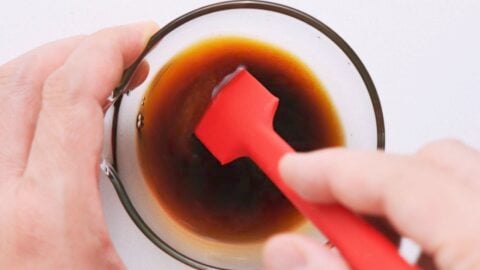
{"x":140,"y":121}
{"x":143,"y":102}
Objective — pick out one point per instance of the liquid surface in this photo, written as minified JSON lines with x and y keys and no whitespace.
{"x":236,"y":202}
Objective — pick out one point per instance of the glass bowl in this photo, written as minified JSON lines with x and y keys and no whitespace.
{"x":329,"y":57}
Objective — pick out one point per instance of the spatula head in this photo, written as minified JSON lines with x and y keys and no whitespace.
{"x":241,"y":103}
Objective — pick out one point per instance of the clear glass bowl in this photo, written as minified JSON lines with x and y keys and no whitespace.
{"x":345,"y":78}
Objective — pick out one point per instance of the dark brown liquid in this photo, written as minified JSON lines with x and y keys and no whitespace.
{"x":236,"y":202}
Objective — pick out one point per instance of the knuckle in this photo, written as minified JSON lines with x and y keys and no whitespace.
{"x":77,"y":118}
{"x":87,"y":110}
{"x":19,"y":73}
{"x":59,"y":93}
{"x":11,"y":77}
{"x":55,"y":89}
{"x":74,"y":113}
{"x":81,"y":121}
{"x":5,"y":75}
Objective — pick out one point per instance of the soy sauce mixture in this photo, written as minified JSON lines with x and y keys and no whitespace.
{"x":236,"y":202}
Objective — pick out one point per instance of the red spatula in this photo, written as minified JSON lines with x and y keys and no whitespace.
{"x":239,"y":123}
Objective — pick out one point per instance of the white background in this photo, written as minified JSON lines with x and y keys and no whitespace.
{"x":423,"y":56}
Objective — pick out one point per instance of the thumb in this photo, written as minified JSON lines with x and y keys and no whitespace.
{"x":292,"y":252}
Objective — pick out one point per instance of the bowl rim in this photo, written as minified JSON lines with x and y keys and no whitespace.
{"x":110,"y":169}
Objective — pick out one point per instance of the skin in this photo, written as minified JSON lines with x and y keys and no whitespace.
{"x":431,"y":197}
{"x":51,"y":128}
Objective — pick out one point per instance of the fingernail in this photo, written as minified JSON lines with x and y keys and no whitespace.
{"x":283,"y":255}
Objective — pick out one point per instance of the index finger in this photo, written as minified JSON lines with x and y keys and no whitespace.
{"x":66,"y":146}
{"x":416,"y":198}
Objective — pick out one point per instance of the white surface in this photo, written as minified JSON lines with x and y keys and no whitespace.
{"x":423,"y":57}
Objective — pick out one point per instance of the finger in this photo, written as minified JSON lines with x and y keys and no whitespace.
{"x":67,"y":142}
{"x":448,"y":152}
{"x":413,"y":196}
{"x":21,"y":82}
{"x":456,"y":157}
{"x":330,"y":175}
{"x":139,"y":76}
{"x":291,"y":252}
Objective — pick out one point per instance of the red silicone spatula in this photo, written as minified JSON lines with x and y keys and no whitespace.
{"x":239,"y":123}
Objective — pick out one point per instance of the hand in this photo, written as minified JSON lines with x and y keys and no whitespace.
{"x":432,"y":197}
{"x":51,"y":129}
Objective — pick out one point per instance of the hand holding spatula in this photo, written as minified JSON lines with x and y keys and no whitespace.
{"x":239,"y":123}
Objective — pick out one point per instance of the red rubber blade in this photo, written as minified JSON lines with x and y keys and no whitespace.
{"x":241,"y":103}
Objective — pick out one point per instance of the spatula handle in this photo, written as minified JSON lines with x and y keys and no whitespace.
{"x":361,"y":245}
